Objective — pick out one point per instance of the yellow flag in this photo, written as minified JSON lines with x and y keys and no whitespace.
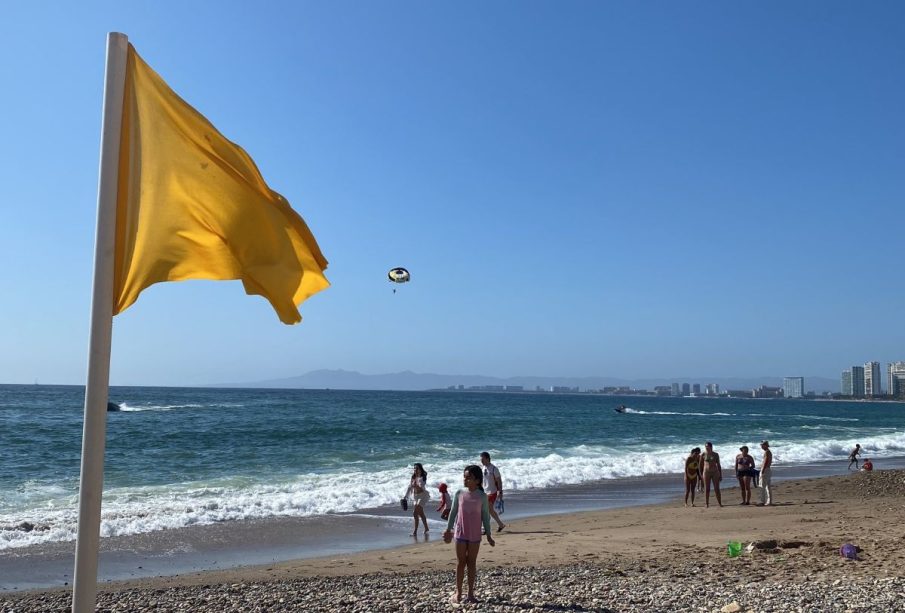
{"x":193,"y":205}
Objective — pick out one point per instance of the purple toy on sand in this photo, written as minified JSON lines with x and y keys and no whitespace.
{"x":849,"y":552}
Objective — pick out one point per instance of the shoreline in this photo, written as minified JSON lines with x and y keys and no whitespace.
{"x":661,"y":557}
{"x":234,"y":546}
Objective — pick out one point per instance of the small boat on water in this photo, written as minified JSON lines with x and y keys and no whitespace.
{"x":620,"y":409}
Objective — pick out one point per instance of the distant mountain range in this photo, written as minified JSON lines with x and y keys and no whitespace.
{"x":412,"y":381}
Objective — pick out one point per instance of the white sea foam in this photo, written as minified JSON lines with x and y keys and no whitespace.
{"x":52,"y":509}
{"x":786,"y":416}
{"x":877,"y":445}
{"x":31,"y":491}
{"x":822,"y":418}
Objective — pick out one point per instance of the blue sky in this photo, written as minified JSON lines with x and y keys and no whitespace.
{"x":629,"y":189}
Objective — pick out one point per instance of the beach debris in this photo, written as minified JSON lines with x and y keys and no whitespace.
{"x":732,"y":607}
{"x":774,"y":546}
{"x":27,"y":526}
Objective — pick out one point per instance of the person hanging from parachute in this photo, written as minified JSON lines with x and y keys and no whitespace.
{"x":398,"y":275}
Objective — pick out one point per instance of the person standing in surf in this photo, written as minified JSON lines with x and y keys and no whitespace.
{"x":470,"y":512}
{"x":713,"y":474}
{"x":418,"y":491}
{"x":692,"y":472}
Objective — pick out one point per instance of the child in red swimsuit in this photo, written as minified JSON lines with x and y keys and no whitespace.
{"x":445,"y":502}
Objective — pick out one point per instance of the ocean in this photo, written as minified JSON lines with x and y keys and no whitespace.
{"x":184,"y":457}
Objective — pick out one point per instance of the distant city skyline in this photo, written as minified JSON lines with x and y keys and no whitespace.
{"x":792,"y":387}
{"x":866,"y":382}
{"x":762,"y":387}
{"x":854,"y":381}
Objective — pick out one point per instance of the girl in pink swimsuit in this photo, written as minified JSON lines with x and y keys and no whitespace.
{"x":470,"y":511}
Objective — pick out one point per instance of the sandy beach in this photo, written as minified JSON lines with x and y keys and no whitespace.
{"x":662,"y":557}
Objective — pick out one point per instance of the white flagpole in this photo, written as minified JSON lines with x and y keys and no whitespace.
{"x":91,"y":485}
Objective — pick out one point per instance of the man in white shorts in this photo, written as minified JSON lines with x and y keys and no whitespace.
{"x":493,"y":487}
{"x":766,"y":475}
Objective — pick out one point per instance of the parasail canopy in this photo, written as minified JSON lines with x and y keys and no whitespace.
{"x":399,"y":275}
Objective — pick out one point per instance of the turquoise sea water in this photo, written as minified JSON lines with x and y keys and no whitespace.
{"x":181,"y":457}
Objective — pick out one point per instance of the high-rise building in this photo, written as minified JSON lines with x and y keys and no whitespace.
{"x":847,"y":382}
{"x":858,"y":381}
{"x":696,"y":389}
{"x":686,"y":389}
{"x":793,"y":387}
{"x":895,"y":382}
{"x":872,"y":385}
{"x":675,"y":389}
{"x":713,"y":389}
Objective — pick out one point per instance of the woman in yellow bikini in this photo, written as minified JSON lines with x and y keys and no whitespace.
{"x":692,"y":470}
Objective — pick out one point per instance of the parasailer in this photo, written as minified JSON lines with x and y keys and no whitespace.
{"x":398,"y":275}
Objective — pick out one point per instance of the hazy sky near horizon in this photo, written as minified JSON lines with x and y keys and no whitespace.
{"x":619,"y":189}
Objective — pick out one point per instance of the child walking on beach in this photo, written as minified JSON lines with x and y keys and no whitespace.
{"x":470,"y":511}
{"x":445,"y":502}
{"x":853,"y":456}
